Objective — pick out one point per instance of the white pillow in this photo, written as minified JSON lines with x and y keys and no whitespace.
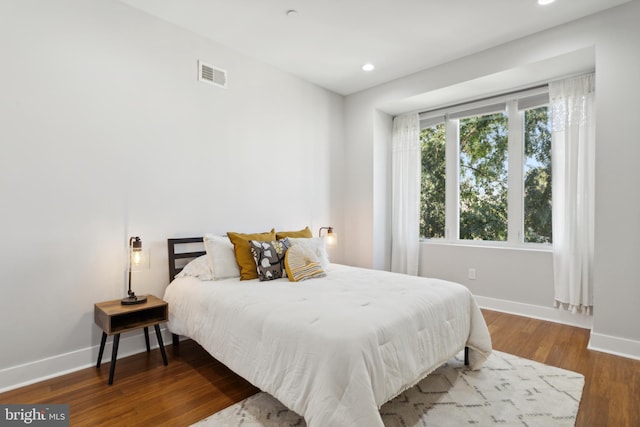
{"x":315,"y":245}
{"x":222,"y":258}
{"x":199,"y":268}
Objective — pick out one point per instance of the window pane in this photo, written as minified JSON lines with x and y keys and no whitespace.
{"x":432,"y":200}
{"x":483,"y":177}
{"x":537,"y":176}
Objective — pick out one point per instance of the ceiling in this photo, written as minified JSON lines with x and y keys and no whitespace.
{"x":328,"y":41}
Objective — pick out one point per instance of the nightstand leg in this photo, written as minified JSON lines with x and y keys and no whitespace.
{"x":102,"y":342}
{"x":161,"y":345}
{"x":114,"y":356}
{"x":146,"y":338}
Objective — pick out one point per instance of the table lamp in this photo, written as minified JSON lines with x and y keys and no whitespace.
{"x":136,"y":258}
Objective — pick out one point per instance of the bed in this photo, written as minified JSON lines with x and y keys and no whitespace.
{"x":333,"y":349}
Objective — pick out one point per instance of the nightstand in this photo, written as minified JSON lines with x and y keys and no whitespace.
{"x":115,"y":318}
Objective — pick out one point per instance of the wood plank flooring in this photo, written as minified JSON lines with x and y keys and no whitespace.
{"x":194,"y":385}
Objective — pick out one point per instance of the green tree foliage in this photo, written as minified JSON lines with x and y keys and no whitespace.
{"x":432,"y":195}
{"x":537,"y":179}
{"x":483,"y":178}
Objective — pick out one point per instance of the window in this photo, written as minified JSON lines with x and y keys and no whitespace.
{"x":537,"y":176}
{"x":486,"y":170}
{"x":483,"y":177}
{"x":432,"y":186}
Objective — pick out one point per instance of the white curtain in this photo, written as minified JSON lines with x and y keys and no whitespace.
{"x":573,"y":155}
{"x":405,"y":228}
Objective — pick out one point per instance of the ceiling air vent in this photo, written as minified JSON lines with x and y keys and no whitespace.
{"x":210,"y":74}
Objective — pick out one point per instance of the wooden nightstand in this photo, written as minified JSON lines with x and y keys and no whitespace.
{"x":115,"y":318}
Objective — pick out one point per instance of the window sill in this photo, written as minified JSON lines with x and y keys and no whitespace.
{"x":531,"y":247}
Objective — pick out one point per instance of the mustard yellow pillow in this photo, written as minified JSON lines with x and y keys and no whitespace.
{"x":242,"y":250}
{"x":306,"y":232}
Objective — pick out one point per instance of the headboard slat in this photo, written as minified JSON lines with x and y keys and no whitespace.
{"x":189,"y":254}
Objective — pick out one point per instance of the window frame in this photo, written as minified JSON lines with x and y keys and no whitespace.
{"x":514,"y":104}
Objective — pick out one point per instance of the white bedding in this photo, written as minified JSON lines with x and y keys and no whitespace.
{"x":332,"y":349}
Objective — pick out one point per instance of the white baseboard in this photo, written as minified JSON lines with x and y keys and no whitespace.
{"x":536,"y":312}
{"x":614,"y":345}
{"x":51,"y":367}
{"x":597,"y":342}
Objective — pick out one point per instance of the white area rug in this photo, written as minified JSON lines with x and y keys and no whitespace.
{"x":507,"y":391}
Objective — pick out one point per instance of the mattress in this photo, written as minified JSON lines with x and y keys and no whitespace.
{"x":332,"y":349}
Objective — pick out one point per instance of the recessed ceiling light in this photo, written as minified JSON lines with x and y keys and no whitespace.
{"x":545,"y":2}
{"x":368,"y":67}
{"x":292,"y":13}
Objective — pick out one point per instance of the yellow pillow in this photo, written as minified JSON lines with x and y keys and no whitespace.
{"x":302,"y":264}
{"x":302,"y":233}
{"x":242,"y":249}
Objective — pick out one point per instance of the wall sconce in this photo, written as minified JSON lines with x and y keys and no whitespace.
{"x":136,"y":260}
{"x":330,"y":236}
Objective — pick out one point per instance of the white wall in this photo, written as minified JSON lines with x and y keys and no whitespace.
{"x":382,"y":195}
{"x":617,"y":240}
{"x":106,"y":133}
{"x":517,"y":279}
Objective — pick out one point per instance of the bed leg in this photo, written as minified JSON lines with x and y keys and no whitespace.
{"x":466,"y":356}
{"x":176,"y":341}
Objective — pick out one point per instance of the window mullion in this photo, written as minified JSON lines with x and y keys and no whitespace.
{"x":515,"y":197}
{"x":452,"y":200}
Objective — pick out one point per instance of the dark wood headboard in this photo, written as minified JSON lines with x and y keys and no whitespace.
{"x":177,"y":260}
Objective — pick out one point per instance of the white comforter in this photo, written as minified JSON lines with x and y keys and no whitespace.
{"x":332,"y":349}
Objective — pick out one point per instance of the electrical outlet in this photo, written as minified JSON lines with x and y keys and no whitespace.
{"x":472,"y":274}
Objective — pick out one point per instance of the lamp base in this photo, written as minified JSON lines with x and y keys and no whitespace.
{"x":133,"y":300}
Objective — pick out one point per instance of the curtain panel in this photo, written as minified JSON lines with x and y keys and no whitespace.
{"x":405,"y":227}
{"x":573,"y":156}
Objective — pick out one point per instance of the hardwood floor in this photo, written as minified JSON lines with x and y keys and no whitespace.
{"x":194,"y":385}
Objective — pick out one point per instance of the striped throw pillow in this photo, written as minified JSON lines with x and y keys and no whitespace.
{"x":302,"y":264}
